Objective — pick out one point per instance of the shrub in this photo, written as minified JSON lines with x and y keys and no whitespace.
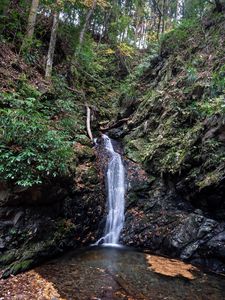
{"x":31,"y":147}
{"x":178,"y":37}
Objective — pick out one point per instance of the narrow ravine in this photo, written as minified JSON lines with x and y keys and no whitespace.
{"x":115,"y":195}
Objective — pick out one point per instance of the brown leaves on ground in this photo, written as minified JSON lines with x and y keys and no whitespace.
{"x":13,"y":69}
{"x":28,"y":286}
{"x":170,"y":267}
{"x":137,"y":214}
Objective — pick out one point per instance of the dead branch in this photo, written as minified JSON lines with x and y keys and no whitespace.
{"x":88,"y":122}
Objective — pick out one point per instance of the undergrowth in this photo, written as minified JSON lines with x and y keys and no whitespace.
{"x":37,"y":133}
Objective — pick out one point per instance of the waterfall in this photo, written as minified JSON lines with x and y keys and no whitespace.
{"x":115,"y":195}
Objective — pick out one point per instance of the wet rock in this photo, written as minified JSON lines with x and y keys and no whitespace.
{"x":117,"y":133}
{"x":161,"y":221}
{"x":43,"y":221}
{"x":18,"y":217}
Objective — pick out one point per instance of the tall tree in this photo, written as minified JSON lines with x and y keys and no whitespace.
{"x":32,"y":18}
{"x":51,"y":49}
{"x":87,"y":20}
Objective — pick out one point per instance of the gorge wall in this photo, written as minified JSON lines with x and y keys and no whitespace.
{"x":175,"y":130}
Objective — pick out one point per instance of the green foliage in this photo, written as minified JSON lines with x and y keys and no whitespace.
{"x":191,"y":74}
{"x":119,"y":26}
{"x":178,"y":37}
{"x":218,"y":81}
{"x":3,"y":6}
{"x":209,"y":107}
{"x":37,"y":131}
{"x":170,"y":121}
{"x":86,"y":55}
{"x":30,"y":50}
{"x":194,"y":8}
{"x":31,"y":146}
{"x":128,"y":88}
{"x":12,"y":20}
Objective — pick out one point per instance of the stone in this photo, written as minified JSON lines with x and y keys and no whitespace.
{"x":17,"y":217}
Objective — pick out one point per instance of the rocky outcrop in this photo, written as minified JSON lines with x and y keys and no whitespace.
{"x":43,"y":221}
{"x":176,"y":134}
{"x":160,"y":220}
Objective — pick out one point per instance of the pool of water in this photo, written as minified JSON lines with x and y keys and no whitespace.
{"x":119,"y":273}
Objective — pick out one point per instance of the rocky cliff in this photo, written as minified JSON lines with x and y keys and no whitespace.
{"x":175,"y":130}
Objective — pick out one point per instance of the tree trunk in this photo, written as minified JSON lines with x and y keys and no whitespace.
{"x":164,"y":16}
{"x":88,"y":122}
{"x":104,"y":29}
{"x":88,"y":16}
{"x":51,"y":49}
{"x":106,"y":25}
{"x":32,"y":18}
{"x":157,"y":8}
{"x":176,"y":11}
{"x":159,"y":26}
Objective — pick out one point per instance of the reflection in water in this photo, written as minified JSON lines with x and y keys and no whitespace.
{"x":109,"y":273}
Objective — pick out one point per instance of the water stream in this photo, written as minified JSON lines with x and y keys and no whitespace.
{"x":115,"y":195}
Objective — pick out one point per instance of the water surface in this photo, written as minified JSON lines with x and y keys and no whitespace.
{"x":116,"y":273}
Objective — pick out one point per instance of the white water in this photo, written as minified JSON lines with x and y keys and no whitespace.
{"x":116,"y":196}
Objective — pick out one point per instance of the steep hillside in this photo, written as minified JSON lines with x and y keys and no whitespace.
{"x":177,"y":133}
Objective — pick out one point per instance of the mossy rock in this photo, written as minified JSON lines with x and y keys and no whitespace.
{"x":17,"y":267}
{"x":8,"y":257}
{"x":84,"y":152}
{"x":90,"y":175}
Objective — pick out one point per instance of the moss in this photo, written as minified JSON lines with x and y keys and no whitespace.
{"x":17,"y":267}
{"x":169,"y":127}
{"x":84,"y":152}
{"x":167,"y":142}
{"x":7,"y":257}
{"x":90,"y":175}
{"x":178,"y":37}
{"x":135,"y":149}
{"x":211,"y":178}
{"x":218,"y":81}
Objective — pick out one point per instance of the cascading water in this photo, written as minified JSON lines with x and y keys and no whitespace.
{"x":116,"y":195}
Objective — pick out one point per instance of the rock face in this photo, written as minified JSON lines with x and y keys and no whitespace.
{"x":160,"y":220}
{"x":43,"y":221}
{"x":176,"y":134}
